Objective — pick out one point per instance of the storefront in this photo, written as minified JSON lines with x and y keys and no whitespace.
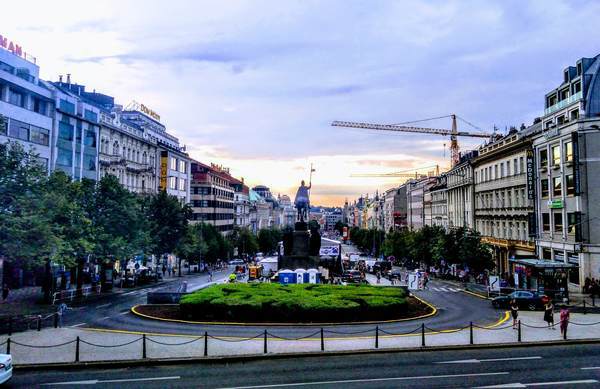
{"x":543,"y":276}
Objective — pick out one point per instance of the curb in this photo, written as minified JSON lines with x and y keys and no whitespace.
{"x":217,"y":323}
{"x":312,"y":354}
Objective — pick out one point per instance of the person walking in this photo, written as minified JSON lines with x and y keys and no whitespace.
{"x":425,"y":281}
{"x":378,"y":277}
{"x":565,"y":315}
{"x":5,"y":292}
{"x":549,"y":314}
{"x":210,"y":276}
{"x":514,"y":312}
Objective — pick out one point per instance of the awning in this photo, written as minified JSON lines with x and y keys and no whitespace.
{"x":542,"y":263}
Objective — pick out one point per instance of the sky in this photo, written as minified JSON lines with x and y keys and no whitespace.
{"x":254,"y":85}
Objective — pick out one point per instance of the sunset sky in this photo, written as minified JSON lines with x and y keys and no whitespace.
{"x":254,"y":85}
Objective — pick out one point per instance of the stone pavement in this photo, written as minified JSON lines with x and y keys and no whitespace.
{"x":36,"y":347}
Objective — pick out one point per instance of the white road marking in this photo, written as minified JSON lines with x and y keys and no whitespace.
{"x":128,"y":293}
{"x":424,"y":377}
{"x":105,"y":317}
{"x":124,"y":313}
{"x":554,"y":383}
{"x":490,"y":360}
{"x":78,"y":325}
{"x":103,"y":305}
{"x":94,"y":382}
{"x":591,"y":368}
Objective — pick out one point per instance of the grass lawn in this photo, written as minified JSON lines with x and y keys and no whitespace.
{"x":264,"y":302}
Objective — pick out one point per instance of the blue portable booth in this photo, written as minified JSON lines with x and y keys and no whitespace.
{"x":287,"y":276}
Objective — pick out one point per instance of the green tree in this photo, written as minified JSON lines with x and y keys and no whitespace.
{"x":268,"y":239}
{"x":244,"y":240}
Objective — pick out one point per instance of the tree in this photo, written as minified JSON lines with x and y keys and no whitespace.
{"x":168,"y":220}
{"x":339,"y":226}
{"x":244,"y":240}
{"x":268,"y":239}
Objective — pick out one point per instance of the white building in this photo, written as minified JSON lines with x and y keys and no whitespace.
{"x":460,"y":192}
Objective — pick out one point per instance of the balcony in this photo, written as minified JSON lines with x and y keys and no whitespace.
{"x":564,"y":103}
{"x":518,"y":180}
{"x":109,"y":160}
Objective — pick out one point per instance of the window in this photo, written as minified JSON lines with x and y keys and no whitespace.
{"x":64,"y":157}
{"x":3,"y":125}
{"x":571,"y":223}
{"x":39,"y":106}
{"x":555,"y":155}
{"x":173,"y":164}
{"x":557,"y":186}
{"x":495,"y":171}
{"x":19,"y":130}
{"x":91,"y":116}
{"x":543,"y":158}
{"x":90,"y":138}
{"x":545,"y":189}
{"x":558,"y":222}
{"x":67,"y":106}
{"x":181,"y":184}
{"x":501,"y":169}
{"x":15,"y":97}
{"x":545,"y":222}
{"x":568,"y":151}
{"x":182,"y":166}
{"x":65,"y":131}
{"x":40,"y":136}
{"x":508,"y":168}
{"x":89,"y":162}
{"x":172,"y":182}
{"x":574,"y":114}
{"x":570,"y":182}
{"x":521,"y":165}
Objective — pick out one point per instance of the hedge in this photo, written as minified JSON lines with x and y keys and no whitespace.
{"x":264,"y":302}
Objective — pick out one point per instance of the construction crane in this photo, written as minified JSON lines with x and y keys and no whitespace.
{"x":453,"y":133}
{"x":401,"y":174}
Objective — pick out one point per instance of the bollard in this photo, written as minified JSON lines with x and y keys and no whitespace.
{"x":322,"y":340}
{"x":39,"y":322}
{"x":471,"y":333}
{"x":9,"y":325}
{"x":205,"y":343}
{"x":77,"y":350}
{"x":423,"y":335}
{"x":376,"y":336}
{"x":519,"y":332}
{"x":584,"y":310}
{"x":265,"y":348}
{"x":8,"y":346}
{"x":56,"y":320}
{"x":143,"y":346}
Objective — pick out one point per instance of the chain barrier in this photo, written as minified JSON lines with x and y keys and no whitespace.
{"x":42,"y":346}
{"x":236,"y":340}
{"x":300,"y":338}
{"x":112,"y":345}
{"x":492,"y":328}
{"x":349,"y":332}
{"x":400,"y":333}
{"x":446,"y":331}
{"x":174,"y":344}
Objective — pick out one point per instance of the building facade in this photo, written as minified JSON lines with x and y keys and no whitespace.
{"x":567,"y":183}
{"x":460,"y":192}
{"x":212,"y":197}
{"x":394,"y":209}
{"x":439,"y":202}
{"x":502,"y":207}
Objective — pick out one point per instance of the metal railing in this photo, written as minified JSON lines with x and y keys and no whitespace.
{"x":71,"y":294}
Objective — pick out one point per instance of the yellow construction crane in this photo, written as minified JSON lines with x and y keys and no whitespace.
{"x":453,"y":133}
{"x":401,"y":174}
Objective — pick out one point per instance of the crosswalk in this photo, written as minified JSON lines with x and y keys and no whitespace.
{"x":444,"y":289}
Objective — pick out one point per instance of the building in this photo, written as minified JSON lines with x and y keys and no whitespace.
{"x":289,"y":211}
{"x":415,"y":195}
{"x":241,"y":199}
{"x":76,"y":132}
{"x":439,"y":202}
{"x":332,"y":218}
{"x":260,"y":212}
{"x":460,"y":191}
{"x":567,"y":183}
{"x":395,"y":209}
{"x":173,"y":170}
{"x":212,"y":197}
{"x":502,"y":207}
{"x":27,"y":107}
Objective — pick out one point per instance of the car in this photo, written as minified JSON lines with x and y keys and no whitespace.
{"x":236,"y":262}
{"x":352,"y":276}
{"x":5,"y":368}
{"x":524,"y":298}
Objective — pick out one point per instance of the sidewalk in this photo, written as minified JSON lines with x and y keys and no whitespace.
{"x":59,"y":345}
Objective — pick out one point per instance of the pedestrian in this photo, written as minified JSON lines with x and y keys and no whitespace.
{"x":425,"y":281}
{"x":549,"y":314}
{"x":170,"y":271}
{"x":565,"y":315}
{"x":62,"y":308}
{"x":5,"y":291}
{"x":164,"y":270}
{"x":378,"y":277}
{"x":210,"y":278}
{"x":514,"y":312}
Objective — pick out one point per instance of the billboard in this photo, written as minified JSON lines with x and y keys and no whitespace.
{"x":329,"y":250}
{"x":530,"y":166}
{"x":164,"y":165}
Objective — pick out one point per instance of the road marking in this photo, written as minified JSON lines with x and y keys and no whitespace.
{"x":555,"y":383}
{"x":128,"y":293}
{"x":490,"y":360}
{"x":124,"y":313}
{"x":105,"y":317}
{"x":78,"y":325}
{"x":103,"y":305}
{"x":94,"y":382}
{"x":591,"y":368}
{"x":424,"y":377}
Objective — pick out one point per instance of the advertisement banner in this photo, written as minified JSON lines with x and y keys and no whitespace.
{"x":531,"y":221}
{"x":164,"y":164}
{"x":494,"y":284}
{"x":329,"y":250}
{"x":576,"y":172}
{"x":530,"y":166}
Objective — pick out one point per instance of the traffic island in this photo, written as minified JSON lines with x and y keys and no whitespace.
{"x":291,"y":304}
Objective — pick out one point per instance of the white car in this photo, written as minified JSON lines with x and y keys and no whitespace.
{"x":5,"y":368}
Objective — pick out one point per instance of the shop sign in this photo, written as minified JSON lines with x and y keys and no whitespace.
{"x":164,"y":164}
{"x":555,"y":204}
{"x":149,"y":112}
{"x":554,"y":132}
{"x":576,"y":172}
{"x":11,"y":46}
{"x":573,"y":258}
{"x":532,"y":224}
{"x":530,"y":175}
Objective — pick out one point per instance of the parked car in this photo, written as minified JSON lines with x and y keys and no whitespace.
{"x":382,"y":266}
{"x":5,"y":368}
{"x":394,"y":274}
{"x":525,"y":300}
{"x":352,"y":276}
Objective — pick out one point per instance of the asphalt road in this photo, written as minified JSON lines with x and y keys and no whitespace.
{"x":550,"y":367}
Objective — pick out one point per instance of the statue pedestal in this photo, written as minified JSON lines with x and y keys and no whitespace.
{"x":301,"y":243}
{"x":299,"y":257}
